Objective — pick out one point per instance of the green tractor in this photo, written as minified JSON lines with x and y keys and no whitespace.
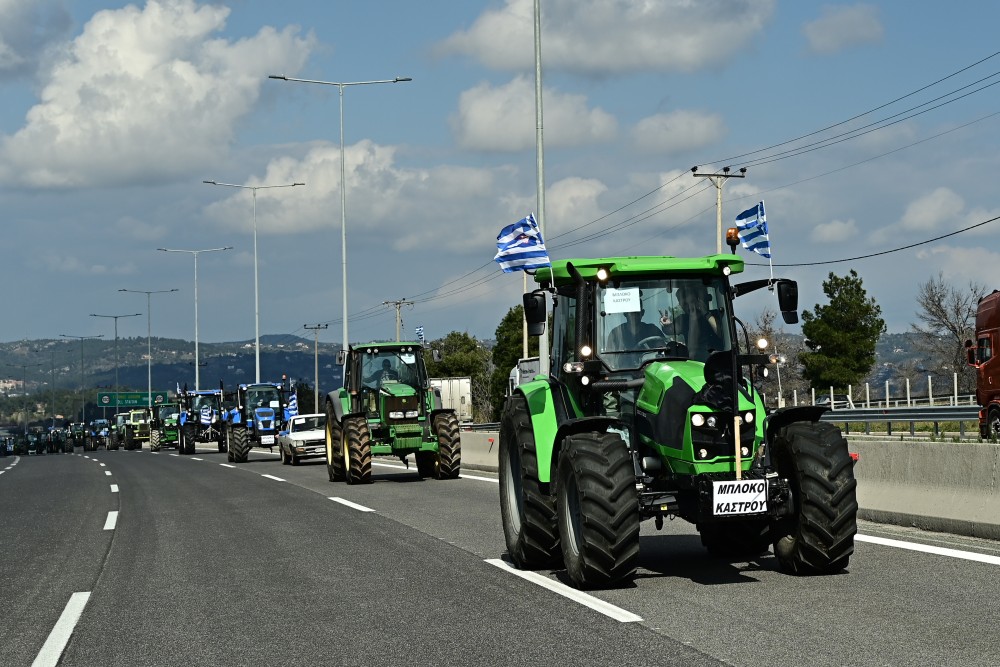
{"x":388,"y":407}
{"x":657,"y":417}
{"x":164,"y":430}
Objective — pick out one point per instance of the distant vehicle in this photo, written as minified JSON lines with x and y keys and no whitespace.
{"x":981,"y":357}
{"x":840,"y":401}
{"x":455,"y":394}
{"x":525,"y":371}
{"x":304,"y":439}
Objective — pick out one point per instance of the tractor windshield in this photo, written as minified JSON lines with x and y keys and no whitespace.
{"x":675,"y":318}
{"x":391,"y":365}
{"x":206,"y":401}
{"x":263,"y":397}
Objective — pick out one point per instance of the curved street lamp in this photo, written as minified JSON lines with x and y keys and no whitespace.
{"x":343,"y":191}
{"x":149,"y":342}
{"x":115,"y":317}
{"x":256,"y":288}
{"x":83,"y":388}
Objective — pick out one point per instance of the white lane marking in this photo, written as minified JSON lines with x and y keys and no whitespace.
{"x":111,"y":521}
{"x":598,"y":605}
{"x":3,"y":471}
{"x":348,"y":503}
{"x":226,"y":465}
{"x":114,"y":488}
{"x":56,"y":642}
{"x":104,"y":465}
{"x":175,"y":454}
{"x":195,"y":458}
{"x":462,"y":476}
{"x":276,"y":479}
{"x":108,"y":473}
{"x":926,"y":548}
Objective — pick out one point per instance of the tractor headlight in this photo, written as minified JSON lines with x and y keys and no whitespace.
{"x":573,"y":367}
{"x":697,"y":419}
{"x":711,"y":421}
{"x":396,"y":414}
{"x":748,"y":418}
{"x":410,"y":414}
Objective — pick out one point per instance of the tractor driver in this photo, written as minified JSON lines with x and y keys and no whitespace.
{"x":380,"y":375}
{"x":628,"y":335}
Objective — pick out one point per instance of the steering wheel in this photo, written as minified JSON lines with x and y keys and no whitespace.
{"x":649,"y":342}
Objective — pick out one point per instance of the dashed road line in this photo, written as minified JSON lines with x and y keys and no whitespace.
{"x":226,"y":465}
{"x":111,"y":521}
{"x":108,"y":473}
{"x":462,"y":476}
{"x":104,"y":465}
{"x":114,"y":488}
{"x":598,"y":605}
{"x":195,"y":458}
{"x":930,"y":549}
{"x":348,"y":503}
{"x":276,"y":479}
{"x":56,"y":642}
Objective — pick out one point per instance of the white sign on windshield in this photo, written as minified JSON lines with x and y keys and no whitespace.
{"x":622,"y":300}
{"x":408,"y":358}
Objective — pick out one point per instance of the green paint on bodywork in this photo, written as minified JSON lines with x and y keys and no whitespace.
{"x":543,"y":423}
{"x":624,"y":267}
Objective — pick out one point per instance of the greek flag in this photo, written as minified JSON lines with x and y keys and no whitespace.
{"x":293,"y":406}
{"x":420,"y":334}
{"x":520,"y":246}
{"x":206,"y":415}
{"x":752,"y":226}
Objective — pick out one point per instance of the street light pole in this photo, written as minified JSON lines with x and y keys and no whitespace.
{"x":197,"y":375}
{"x":256,"y":287}
{"x":83,"y":388}
{"x":149,"y":341}
{"x":316,"y":328}
{"x":343,"y":190}
{"x":115,"y":317}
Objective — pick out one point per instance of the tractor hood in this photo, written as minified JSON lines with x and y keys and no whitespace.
{"x":264,"y":418}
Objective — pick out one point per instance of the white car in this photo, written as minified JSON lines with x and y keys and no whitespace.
{"x":305,"y":438}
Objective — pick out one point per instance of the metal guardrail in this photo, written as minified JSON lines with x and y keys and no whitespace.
{"x":912,"y":415}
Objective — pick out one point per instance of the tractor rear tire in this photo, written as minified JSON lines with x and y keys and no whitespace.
{"x":154,"y":441}
{"x":239,"y":444}
{"x":737,"y":539}
{"x":334,"y":446}
{"x":357,"y":451}
{"x":598,"y":510}
{"x":527,"y":510}
{"x":449,"y":454}
{"x":818,"y":537}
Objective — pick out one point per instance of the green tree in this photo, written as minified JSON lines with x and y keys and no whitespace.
{"x":509,"y":348}
{"x":464,"y":356}
{"x":841,"y":335}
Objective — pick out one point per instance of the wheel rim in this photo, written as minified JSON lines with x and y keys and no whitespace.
{"x":512,"y":484}
{"x":347,"y":454}
{"x":569,"y":510}
{"x":995,"y":425}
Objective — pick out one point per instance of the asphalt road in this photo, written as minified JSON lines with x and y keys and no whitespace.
{"x":214,"y":563}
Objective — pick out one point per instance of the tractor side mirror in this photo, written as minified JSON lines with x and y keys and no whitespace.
{"x":436,"y":355}
{"x":970,"y":353}
{"x":341,"y":357}
{"x":788,"y":300}
{"x":534,"y":312}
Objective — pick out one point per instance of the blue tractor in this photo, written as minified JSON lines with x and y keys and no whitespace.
{"x":259,"y":414}
{"x":201,"y":419}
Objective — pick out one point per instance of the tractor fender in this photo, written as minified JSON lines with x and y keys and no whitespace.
{"x":582,"y":425}
{"x":782,"y":417}
{"x":334,"y":398}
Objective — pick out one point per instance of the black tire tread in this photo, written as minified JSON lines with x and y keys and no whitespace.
{"x":359,"y":467}
{"x":449,"y":456}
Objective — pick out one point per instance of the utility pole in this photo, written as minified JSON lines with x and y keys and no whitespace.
{"x":398,"y":304}
{"x":83,"y":386}
{"x":316,"y":328}
{"x":717,"y":181}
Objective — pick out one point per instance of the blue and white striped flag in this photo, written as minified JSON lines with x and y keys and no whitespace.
{"x":420,"y":333}
{"x":520,"y":246}
{"x":752,"y":226}
{"x":206,"y":415}
{"x":293,"y":405}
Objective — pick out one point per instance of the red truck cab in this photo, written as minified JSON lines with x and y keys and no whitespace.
{"x":980,"y":356}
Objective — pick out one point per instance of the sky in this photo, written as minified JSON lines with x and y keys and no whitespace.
{"x":864,"y":127}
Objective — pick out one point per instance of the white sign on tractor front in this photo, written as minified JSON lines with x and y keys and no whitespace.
{"x":748,"y":496}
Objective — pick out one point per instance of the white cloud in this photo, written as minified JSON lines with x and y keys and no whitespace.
{"x":842,"y":26}
{"x":934,"y":211}
{"x":835,"y":231}
{"x":144,"y":95}
{"x":503,"y":118}
{"x":678,"y":131}
{"x":601,"y":37}
{"x":27,"y":30}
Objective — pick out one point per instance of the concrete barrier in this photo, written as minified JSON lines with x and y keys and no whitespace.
{"x":947,"y":487}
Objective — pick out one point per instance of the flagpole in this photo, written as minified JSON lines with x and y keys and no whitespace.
{"x":543,"y":340}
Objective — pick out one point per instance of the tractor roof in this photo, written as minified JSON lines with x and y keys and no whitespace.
{"x":636,"y":267}
{"x":387,"y":345}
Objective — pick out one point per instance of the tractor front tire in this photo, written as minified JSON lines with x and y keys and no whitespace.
{"x":189,"y":440}
{"x":818,"y":536}
{"x":334,"y":446}
{"x":239,"y":444}
{"x":527,"y":510}
{"x":154,"y":441}
{"x":448,"y":463}
{"x":598,"y":510}
{"x":357,"y":451}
